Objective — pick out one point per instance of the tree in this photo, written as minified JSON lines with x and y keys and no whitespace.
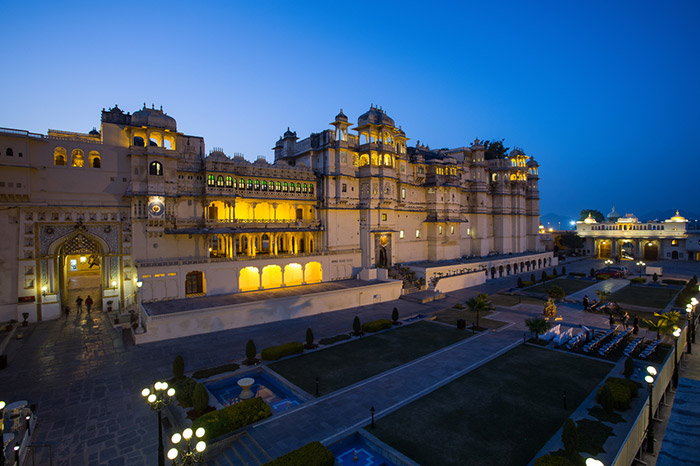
{"x":606,"y":399}
{"x":563,"y":270}
{"x":538,"y":326}
{"x":569,"y":438}
{"x":670,"y":319}
{"x":603,"y":296}
{"x":655,"y":278}
{"x":495,"y":150}
{"x":480,"y":303}
{"x":356,"y":325}
{"x":250,"y":352}
{"x":544,"y":276}
{"x":592,"y":272}
{"x":596,"y":214}
{"x":570,"y":240}
{"x":532,"y":278}
{"x":550,"y":309}
{"x":660,"y":326}
{"x":200,"y":398}
{"x":395,"y":315}
{"x":554,"y":272}
{"x":178,"y":367}
{"x":556,"y":292}
{"x":520,"y":282}
{"x":309,"y":338}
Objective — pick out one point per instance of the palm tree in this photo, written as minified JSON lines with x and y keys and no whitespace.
{"x":480,"y":303}
{"x":538,"y":326}
{"x":662,"y":325}
{"x":670,"y":318}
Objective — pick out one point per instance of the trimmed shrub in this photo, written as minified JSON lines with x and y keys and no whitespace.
{"x":356,"y":326}
{"x":520,"y":282}
{"x":395,"y":315}
{"x":592,"y":272}
{"x":309,"y":338}
{"x":178,"y":367}
{"x":592,"y":436}
{"x":311,"y":454}
{"x":639,"y":280}
{"x":603,"y":276}
{"x":528,"y":283}
{"x":250,"y":351}
{"x":655,"y":277}
{"x":554,"y":272}
{"x":629,"y":368}
{"x":553,"y":460}
{"x":605,"y":398}
{"x":376,"y":325}
{"x":532,"y":278}
{"x":672,"y":281}
{"x":274,"y":353}
{"x":184,"y":389}
{"x":200,"y":398}
{"x":563,"y":270}
{"x":577,"y":274}
{"x":241,"y":414}
{"x":335,"y":339}
{"x":544,"y":276}
{"x":206,"y":373}
{"x":622,"y":392}
{"x":569,"y":438}
{"x":556,"y":292}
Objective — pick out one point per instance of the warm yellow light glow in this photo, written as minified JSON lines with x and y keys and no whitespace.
{"x":187,"y":433}
{"x":176,"y":438}
{"x":139,"y":284}
{"x":114,"y":283}
{"x":83,"y":259}
{"x":551,"y":230}
{"x":649,"y":379}
{"x":145,"y":392}
{"x":249,"y":279}
{"x":199,"y":433}
{"x":312,"y":273}
{"x":201,"y":446}
{"x":651,"y":370}
{"x":272,"y":276}
{"x":151,"y":398}
{"x":172,"y":453}
{"x":293,"y":274}
{"x":2,"y":405}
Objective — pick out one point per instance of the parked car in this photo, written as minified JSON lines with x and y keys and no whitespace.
{"x":609,"y":271}
{"x":623,"y":270}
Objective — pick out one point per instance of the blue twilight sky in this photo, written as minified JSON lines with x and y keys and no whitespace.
{"x":604,"y":94}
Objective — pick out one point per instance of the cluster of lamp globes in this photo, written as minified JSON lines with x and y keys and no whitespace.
{"x":158,"y":386}
{"x":199,"y":447}
{"x":651,"y":370}
{"x":693,"y":302}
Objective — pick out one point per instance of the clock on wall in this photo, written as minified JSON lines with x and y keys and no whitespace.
{"x":156,"y":207}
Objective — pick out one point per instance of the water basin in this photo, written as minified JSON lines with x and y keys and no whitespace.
{"x":227,"y":391}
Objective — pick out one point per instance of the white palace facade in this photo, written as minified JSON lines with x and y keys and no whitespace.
{"x":138,"y":201}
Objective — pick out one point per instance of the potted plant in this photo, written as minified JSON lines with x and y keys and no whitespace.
{"x":25,"y":316}
{"x":109,"y":306}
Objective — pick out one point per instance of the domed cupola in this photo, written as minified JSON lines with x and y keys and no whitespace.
{"x":341,"y":116}
{"x":375,"y":116}
{"x":153,"y":118}
{"x":613,"y":216}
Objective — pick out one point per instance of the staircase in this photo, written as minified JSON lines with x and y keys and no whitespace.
{"x":243,"y":451}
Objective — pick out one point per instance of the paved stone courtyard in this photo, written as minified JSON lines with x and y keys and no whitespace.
{"x":85,"y":377}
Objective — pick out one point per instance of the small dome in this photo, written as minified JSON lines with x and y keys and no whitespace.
{"x":289,"y":134}
{"x":532,"y":163}
{"x":613,"y":215}
{"x":153,"y":118}
{"x":678,"y":218}
{"x":341,"y":116}
{"x":589,"y":220}
{"x":375,"y":116}
{"x":94,"y":132}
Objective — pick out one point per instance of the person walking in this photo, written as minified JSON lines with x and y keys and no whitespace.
{"x":88,"y":303}
{"x":612,"y":320}
{"x":79,"y":304}
{"x":635,"y":325}
{"x":586,"y":303}
{"x":66,"y":310}
{"x":625,"y":320}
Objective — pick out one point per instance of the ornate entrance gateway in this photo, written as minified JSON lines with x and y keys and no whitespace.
{"x":79,"y":264}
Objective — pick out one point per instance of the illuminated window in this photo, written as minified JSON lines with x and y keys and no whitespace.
{"x":257,"y":185}
{"x":220,"y":181}
{"x":674,"y":242}
{"x":94,"y":157}
{"x":285,"y":186}
{"x":279,"y":186}
{"x":403,"y":193}
{"x":383,"y":217}
{"x":264,"y":185}
{"x":229,"y":181}
{"x":211,"y":180}
{"x":344,"y":187}
{"x":421,"y":170}
{"x":249,"y":279}
{"x":298,"y":187}
{"x":417,"y":233}
{"x":452,"y":229}
{"x":401,"y":234}
{"x":78,"y":158}
{"x":249,"y":184}
{"x":235,"y":183}
{"x":440,"y":230}
{"x":194,"y":283}
{"x":59,"y":156}
{"x":304,"y":188}
{"x":293,"y":274}
{"x":156,"y":169}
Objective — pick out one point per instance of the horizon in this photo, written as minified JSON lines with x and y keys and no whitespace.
{"x":601,"y":95}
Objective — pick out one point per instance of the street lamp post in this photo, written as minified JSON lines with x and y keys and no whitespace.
{"x":2,"y":428}
{"x":650,"y":430}
{"x":608,"y":262}
{"x":676,"y":334}
{"x":641,"y":265}
{"x":691,"y":326}
{"x":139,"y":284}
{"x":594,"y":462}
{"x":157,"y":398}
{"x":183,"y":454}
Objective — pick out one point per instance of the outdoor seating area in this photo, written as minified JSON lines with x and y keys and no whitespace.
{"x":599,"y":338}
{"x":607,"y":348}
{"x":18,"y":423}
{"x":633,"y":346}
{"x":650,"y":349}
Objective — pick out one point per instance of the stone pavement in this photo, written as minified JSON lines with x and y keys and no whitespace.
{"x":611,"y":285}
{"x":86,"y":378}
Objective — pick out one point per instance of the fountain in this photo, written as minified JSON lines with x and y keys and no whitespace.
{"x":245,"y":385}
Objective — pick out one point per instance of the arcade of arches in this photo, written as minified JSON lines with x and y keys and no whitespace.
{"x":628,"y":249}
{"x":267,"y":212}
{"x":276,"y":276}
{"x":231,"y":245}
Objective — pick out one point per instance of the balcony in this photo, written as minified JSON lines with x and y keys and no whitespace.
{"x":245,"y":225}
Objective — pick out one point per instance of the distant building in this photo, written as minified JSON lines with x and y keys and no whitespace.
{"x":625,"y":237}
{"x":141,"y":202}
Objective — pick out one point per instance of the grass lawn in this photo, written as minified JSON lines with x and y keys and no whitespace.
{"x":348,"y":363}
{"x":569,"y":285}
{"x":507,"y":409}
{"x":450,"y":315}
{"x":647,"y":296}
{"x":506,"y":300}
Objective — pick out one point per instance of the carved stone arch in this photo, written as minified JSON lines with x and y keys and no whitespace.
{"x":79,"y":238}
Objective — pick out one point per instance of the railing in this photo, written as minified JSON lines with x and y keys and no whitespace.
{"x":257,"y":192}
{"x":20,"y":132}
{"x":240,"y":257}
{"x":245,"y":223}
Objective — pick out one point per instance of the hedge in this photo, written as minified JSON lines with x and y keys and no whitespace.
{"x":577,"y":274}
{"x":274,"y":353}
{"x":602,"y":276}
{"x":335,"y":339}
{"x":672,"y":281}
{"x":241,"y":414}
{"x":527,"y":283}
{"x":622,"y":390}
{"x":184,"y":390}
{"x":376,"y":325}
{"x":553,"y":460}
{"x":206,"y":373}
{"x":639,"y":280}
{"x":311,"y":454}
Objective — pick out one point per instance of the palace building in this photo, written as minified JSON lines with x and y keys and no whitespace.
{"x":626,"y":237}
{"x":141,"y":202}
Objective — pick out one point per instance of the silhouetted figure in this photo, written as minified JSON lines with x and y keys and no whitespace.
{"x":586,"y":303}
{"x":79,"y":304}
{"x":88,"y":303}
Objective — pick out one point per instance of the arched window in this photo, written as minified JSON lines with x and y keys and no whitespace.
{"x":311,"y":189}
{"x":95,"y":161}
{"x":249,"y":184}
{"x":220,"y":181}
{"x":241,"y":184}
{"x":298,"y":187}
{"x":229,"y":181}
{"x":78,"y":158}
{"x":155,"y":169}
{"x":211,"y":180}
{"x":264,"y":185}
{"x":59,"y":156}
{"x":285,"y":186}
{"x":9,"y":152}
{"x":257,"y":185}
{"x":194,"y":283}
{"x":138,"y":141}
{"x":305,"y":188}
{"x":279,"y":186}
